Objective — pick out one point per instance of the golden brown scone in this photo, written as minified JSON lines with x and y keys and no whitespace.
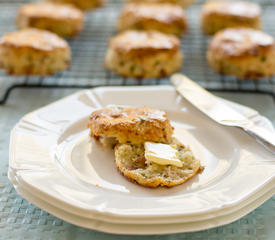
{"x":217,"y":15}
{"x":144,"y":54}
{"x":62,"y":19}
{"x":82,"y":4}
{"x":33,"y":52}
{"x":243,"y":52}
{"x":131,"y":162}
{"x":131,"y":125}
{"x":166,"y":18}
{"x":182,"y":3}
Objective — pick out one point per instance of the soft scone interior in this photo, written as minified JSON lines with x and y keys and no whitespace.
{"x":131,"y":161}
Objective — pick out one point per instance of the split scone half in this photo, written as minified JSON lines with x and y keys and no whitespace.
{"x":144,"y":54}
{"x":33,"y":52}
{"x":217,"y":15}
{"x":130,"y":125}
{"x":243,"y":52}
{"x":182,"y":3}
{"x":63,"y":19}
{"x":82,"y":4}
{"x":145,"y":150}
{"x":166,"y":18}
{"x":154,"y":164}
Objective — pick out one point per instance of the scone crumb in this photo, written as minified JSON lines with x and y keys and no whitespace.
{"x":131,"y":162}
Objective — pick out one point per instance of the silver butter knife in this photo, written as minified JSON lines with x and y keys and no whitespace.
{"x":217,"y":110}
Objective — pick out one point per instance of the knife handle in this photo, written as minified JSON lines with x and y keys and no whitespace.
{"x":263,"y":137}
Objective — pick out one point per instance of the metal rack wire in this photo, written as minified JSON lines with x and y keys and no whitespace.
{"x":88,"y":50}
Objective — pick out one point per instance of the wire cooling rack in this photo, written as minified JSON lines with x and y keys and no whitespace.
{"x":88,"y":51}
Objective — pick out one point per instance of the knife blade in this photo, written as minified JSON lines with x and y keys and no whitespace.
{"x":221,"y":113}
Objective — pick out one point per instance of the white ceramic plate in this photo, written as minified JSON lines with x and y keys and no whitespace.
{"x":139,"y":229}
{"x":52,"y":156}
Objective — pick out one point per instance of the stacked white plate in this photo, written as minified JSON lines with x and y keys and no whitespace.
{"x":56,"y":165}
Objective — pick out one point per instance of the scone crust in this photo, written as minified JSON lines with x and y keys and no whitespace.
{"x":243,"y":52}
{"x":151,"y":175}
{"x":217,"y":15}
{"x":182,"y":3}
{"x":82,"y":4}
{"x":144,"y":42}
{"x":33,"y":52}
{"x":62,"y":19}
{"x":166,"y":18}
{"x":241,"y":42}
{"x":131,"y":125}
{"x":144,"y":54}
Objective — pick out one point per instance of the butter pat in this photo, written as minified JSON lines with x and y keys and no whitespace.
{"x":162,"y":154}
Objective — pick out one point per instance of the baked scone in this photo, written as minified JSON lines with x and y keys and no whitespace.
{"x":33,"y":52}
{"x":82,"y":4}
{"x":62,"y":19}
{"x":182,"y":3}
{"x":166,"y":18}
{"x":217,"y":15}
{"x":130,"y":125}
{"x":243,"y":52}
{"x":132,"y":162}
{"x":144,"y":54}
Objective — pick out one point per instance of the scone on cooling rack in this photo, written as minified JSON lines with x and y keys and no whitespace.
{"x":182,"y":3}
{"x":217,"y":15}
{"x":243,"y":52}
{"x":62,"y":19}
{"x":156,"y":164}
{"x":33,"y":52}
{"x":82,"y":4}
{"x":166,"y":18}
{"x":130,"y":125}
{"x":144,"y":54}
